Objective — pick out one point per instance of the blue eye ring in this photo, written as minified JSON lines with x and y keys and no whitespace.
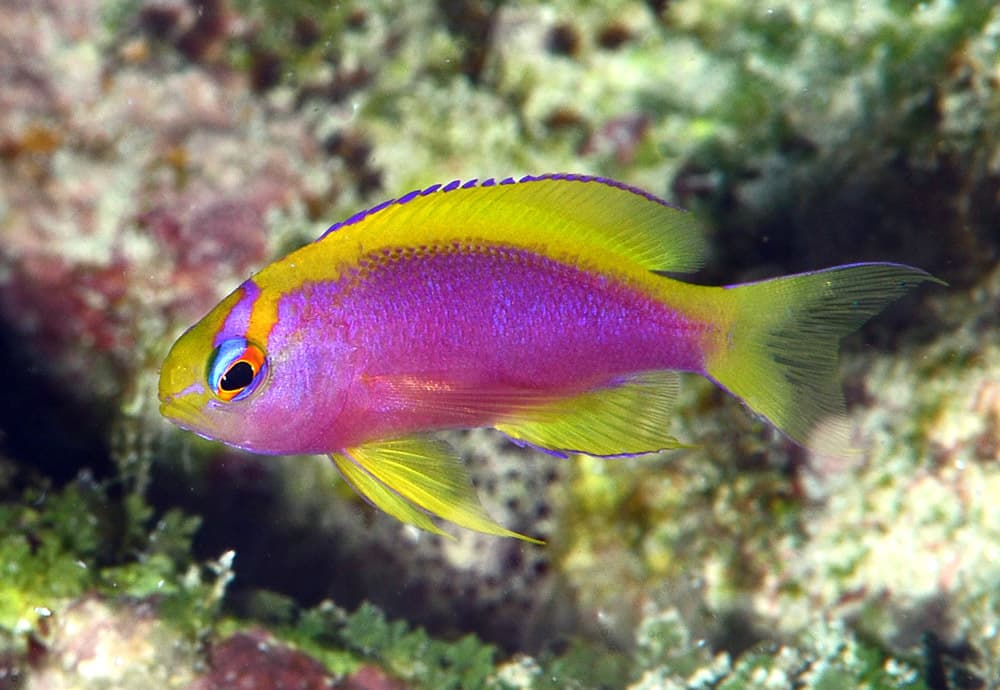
{"x":236,"y":369}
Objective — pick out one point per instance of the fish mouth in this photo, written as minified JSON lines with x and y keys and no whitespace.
{"x":182,"y":401}
{"x":191,"y":418}
{"x":183,"y":414}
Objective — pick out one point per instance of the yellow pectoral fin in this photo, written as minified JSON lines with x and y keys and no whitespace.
{"x":407,"y":476}
{"x":630,"y":418}
{"x":383,"y":497}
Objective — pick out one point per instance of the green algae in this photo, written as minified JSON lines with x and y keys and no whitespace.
{"x":57,"y":545}
{"x":54,"y":551}
{"x":37,"y":575}
{"x":412,"y":654}
{"x":666,"y":656}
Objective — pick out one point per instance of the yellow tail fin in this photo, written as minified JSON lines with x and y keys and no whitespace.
{"x":780,"y":353}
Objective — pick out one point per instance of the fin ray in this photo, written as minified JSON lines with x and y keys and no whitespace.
{"x":779,"y":355}
{"x":429,"y":393}
{"x":429,"y":475}
{"x":560,"y":211}
{"x":381,"y":496}
{"x":629,"y":418}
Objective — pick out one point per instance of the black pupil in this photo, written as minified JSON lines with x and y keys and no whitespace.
{"x":238,"y":376}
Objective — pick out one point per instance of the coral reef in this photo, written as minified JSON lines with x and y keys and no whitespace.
{"x":511,"y":593}
{"x":91,"y":638}
{"x":153,"y":154}
{"x":158,"y":619}
{"x":254,"y":661}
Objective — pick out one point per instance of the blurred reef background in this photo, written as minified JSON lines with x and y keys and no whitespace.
{"x":154,"y":154}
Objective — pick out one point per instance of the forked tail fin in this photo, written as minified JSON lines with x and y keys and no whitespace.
{"x":780,"y":354}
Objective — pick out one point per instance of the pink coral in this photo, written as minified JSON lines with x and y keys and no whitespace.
{"x":255,"y":661}
{"x":133,"y":197}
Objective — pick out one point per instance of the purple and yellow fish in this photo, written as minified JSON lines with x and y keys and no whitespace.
{"x":536,"y":307}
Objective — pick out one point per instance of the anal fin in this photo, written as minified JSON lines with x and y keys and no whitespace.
{"x":629,"y":418}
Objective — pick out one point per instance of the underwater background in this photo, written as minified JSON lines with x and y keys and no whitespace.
{"x":154,"y":154}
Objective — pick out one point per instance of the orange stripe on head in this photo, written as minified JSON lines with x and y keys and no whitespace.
{"x":262,"y":319}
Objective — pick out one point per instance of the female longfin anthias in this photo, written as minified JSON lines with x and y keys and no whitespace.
{"x":536,"y":307}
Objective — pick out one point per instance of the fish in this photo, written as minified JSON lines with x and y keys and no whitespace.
{"x":546,"y":307}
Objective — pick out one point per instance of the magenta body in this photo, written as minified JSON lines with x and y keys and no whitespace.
{"x":498,"y":303}
{"x":459,"y":331}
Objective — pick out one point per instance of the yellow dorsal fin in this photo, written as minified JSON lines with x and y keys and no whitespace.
{"x":561,"y":213}
{"x":627,"y":419}
{"x":410,"y":477}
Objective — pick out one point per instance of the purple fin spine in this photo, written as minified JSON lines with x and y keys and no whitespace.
{"x":521,"y":443}
{"x":828,"y":269}
{"x":576,"y":177}
{"x":491,"y":182}
{"x":358,"y":217}
{"x":566,"y":452}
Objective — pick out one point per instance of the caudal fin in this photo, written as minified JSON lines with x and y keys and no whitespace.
{"x":780,"y":354}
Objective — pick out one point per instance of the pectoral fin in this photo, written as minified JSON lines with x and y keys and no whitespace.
{"x":630,"y":418}
{"x":411,"y":477}
{"x":382,"y":496}
{"x":433,"y":394}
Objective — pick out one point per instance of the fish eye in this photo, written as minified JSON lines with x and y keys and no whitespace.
{"x":236,"y":369}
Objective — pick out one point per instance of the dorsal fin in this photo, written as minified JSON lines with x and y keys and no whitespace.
{"x":560,"y":212}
